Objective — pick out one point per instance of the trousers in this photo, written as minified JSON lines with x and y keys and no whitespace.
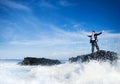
{"x":94,"y":44}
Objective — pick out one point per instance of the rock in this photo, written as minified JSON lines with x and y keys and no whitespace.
{"x":101,"y":55}
{"x":39,"y":61}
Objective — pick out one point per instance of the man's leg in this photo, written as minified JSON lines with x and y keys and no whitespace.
{"x":96,"y":45}
{"x":92,"y":44}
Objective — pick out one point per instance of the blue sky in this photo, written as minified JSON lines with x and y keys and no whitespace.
{"x":57,"y":28}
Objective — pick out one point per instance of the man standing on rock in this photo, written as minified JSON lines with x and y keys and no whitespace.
{"x":94,"y":40}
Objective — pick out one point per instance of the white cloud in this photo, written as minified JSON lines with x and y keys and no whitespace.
{"x":46,"y":42}
{"x":58,"y":36}
{"x":111,"y":35}
{"x":55,"y":36}
{"x":62,"y":43}
{"x":76,"y":25}
{"x":13,"y":4}
{"x":65,"y":3}
{"x":46,"y":37}
{"x":52,"y":36}
{"x":62,"y":38}
{"x":46,"y":4}
{"x":55,"y":4}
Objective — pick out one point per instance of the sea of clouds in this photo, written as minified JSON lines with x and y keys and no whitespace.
{"x":68,"y":73}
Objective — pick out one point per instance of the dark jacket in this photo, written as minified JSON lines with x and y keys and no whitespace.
{"x":95,"y":35}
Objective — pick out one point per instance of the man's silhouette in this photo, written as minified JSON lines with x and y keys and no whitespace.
{"x":94,"y":40}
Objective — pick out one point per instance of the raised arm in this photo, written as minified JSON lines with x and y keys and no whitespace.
{"x":89,"y":35}
{"x":99,"y":33}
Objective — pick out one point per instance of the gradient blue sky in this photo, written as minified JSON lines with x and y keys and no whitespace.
{"x":57,"y":28}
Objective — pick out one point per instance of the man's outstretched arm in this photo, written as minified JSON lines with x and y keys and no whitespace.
{"x":99,"y":33}
{"x":89,"y":35}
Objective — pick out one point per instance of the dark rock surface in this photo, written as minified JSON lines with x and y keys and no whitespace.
{"x":101,"y":55}
{"x":39,"y":61}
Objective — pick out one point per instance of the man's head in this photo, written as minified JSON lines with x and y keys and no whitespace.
{"x":93,"y":31}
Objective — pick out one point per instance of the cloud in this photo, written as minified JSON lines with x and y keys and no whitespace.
{"x":55,"y":4}
{"x":46,"y":4}
{"x":66,"y":3}
{"x":76,"y":25}
{"x":56,"y":41}
{"x":112,"y":35}
{"x":47,"y":34}
{"x":60,"y":37}
{"x":13,"y":4}
{"x":45,"y":42}
{"x":55,"y":36}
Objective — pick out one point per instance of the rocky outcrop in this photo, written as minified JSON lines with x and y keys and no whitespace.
{"x":39,"y":61}
{"x":101,"y":55}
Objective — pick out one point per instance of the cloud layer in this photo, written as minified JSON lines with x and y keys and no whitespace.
{"x":13,"y":4}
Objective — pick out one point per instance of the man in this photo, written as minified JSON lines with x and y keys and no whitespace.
{"x":94,"y":40}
